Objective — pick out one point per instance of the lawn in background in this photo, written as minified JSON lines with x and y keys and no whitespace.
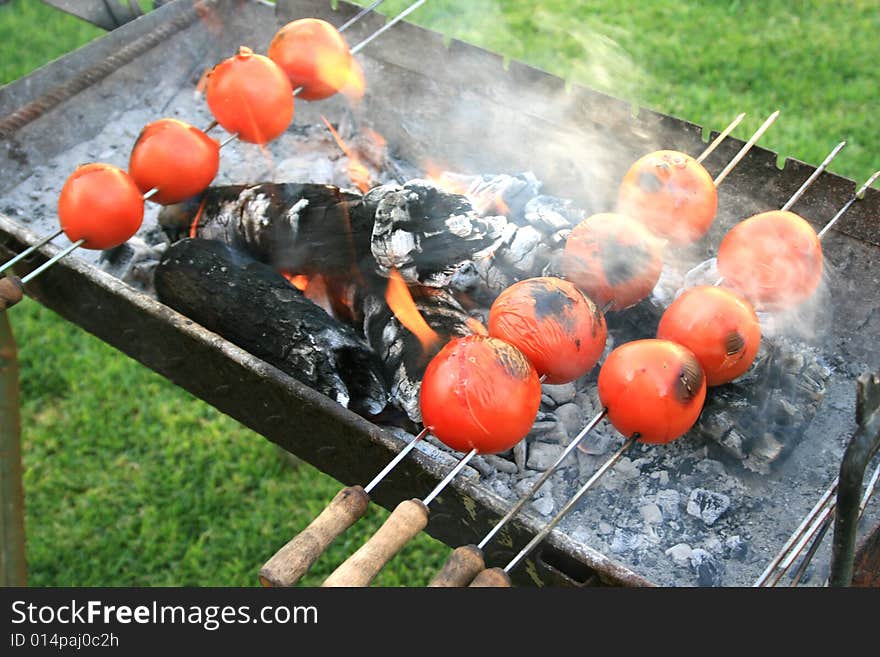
{"x":132,"y":481}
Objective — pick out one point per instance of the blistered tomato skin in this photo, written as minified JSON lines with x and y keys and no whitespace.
{"x":479,"y":393}
{"x":670,"y":193}
{"x":774,"y":259}
{"x":653,"y":388}
{"x":719,"y":326}
{"x":314,"y":56}
{"x":249,"y":95}
{"x":557,"y":328}
{"x":174,"y":157}
{"x":101,"y":204}
{"x":613,"y":259}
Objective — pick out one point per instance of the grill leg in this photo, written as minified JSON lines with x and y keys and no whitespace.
{"x":13,"y":568}
{"x":861,"y":449}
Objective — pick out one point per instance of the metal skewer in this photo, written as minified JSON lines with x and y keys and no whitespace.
{"x":746,"y":148}
{"x":721,"y":137}
{"x":870,"y":489}
{"x":227,"y":141}
{"x":406,"y":521}
{"x":294,"y":559}
{"x":809,"y":181}
{"x":496,"y":576}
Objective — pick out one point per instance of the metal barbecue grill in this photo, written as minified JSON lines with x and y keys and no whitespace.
{"x":461,"y":113}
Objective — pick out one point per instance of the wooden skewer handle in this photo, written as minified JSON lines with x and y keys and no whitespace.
{"x":408,"y":519}
{"x":460,"y":568}
{"x":11,"y":292}
{"x":493,"y":577}
{"x":293,"y":560}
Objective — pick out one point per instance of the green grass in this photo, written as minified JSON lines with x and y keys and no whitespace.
{"x":131,"y":481}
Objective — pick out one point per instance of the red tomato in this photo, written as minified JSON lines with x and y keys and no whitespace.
{"x":672,"y":194}
{"x":315,"y":57}
{"x":553,"y":324}
{"x":480,"y":393}
{"x":773,"y":258}
{"x":719,"y":326}
{"x":613,"y":258}
{"x":101,"y":204}
{"x":250,"y":96}
{"x":653,"y":388}
{"x":176,"y":158}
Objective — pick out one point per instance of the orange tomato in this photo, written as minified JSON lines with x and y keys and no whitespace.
{"x":553,"y":324}
{"x":249,"y":95}
{"x":653,"y":388}
{"x":672,"y":194}
{"x":773,"y":258}
{"x":719,"y":326}
{"x":480,"y":393}
{"x":174,"y":157}
{"x":101,"y":204}
{"x":315,"y":57}
{"x":613,"y":258}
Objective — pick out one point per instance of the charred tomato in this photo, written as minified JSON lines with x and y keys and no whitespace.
{"x":719,"y":326}
{"x":613,"y":259}
{"x":559,"y":330}
{"x":653,"y":388}
{"x":479,"y":393}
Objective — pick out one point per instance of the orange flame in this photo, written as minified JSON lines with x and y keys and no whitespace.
{"x":358,"y":173}
{"x":454,"y":184}
{"x":299,"y":281}
{"x":442,"y":180}
{"x":404,"y":308}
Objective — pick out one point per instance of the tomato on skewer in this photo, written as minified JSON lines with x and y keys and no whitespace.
{"x":249,"y":95}
{"x":101,"y":204}
{"x":773,"y":258}
{"x":174,"y":157}
{"x":653,"y":388}
{"x":479,"y":393}
{"x":559,"y":329}
{"x":613,"y":258}
{"x":672,"y":194}
{"x":719,"y":326}
{"x":315,"y":57}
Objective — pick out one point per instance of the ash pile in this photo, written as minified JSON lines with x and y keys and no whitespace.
{"x":709,"y":509}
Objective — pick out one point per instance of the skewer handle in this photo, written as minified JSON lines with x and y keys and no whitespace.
{"x":11,"y":292}
{"x":294,"y":559}
{"x":492,"y":578}
{"x":408,"y":519}
{"x":460,"y":568}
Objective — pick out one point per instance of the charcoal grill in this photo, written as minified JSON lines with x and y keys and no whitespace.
{"x":417,"y":105}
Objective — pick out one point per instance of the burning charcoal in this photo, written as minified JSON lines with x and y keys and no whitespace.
{"x":571,"y":418}
{"x":402,"y":355}
{"x":651,"y":513}
{"x":297,"y":228}
{"x":500,"y":464}
{"x":428,"y":234}
{"x":253,"y":306}
{"x":707,"y":505}
{"x":736,"y":548}
{"x":560,"y":394}
{"x":543,"y":455}
{"x":680,"y":554}
{"x":709,"y":570}
{"x":668,"y":501}
{"x":551,"y":215}
{"x":544,"y":505}
{"x":493,"y":194}
{"x":134,"y":261}
{"x":519,"y":455}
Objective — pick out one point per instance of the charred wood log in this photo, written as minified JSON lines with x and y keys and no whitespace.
{"x":254,"y":307}
{"x":298,"y":228}
{"x":402,"y":355}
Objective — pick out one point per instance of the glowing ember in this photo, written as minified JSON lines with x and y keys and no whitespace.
{"x":357,"y":171}
{"x":404,"y":308}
